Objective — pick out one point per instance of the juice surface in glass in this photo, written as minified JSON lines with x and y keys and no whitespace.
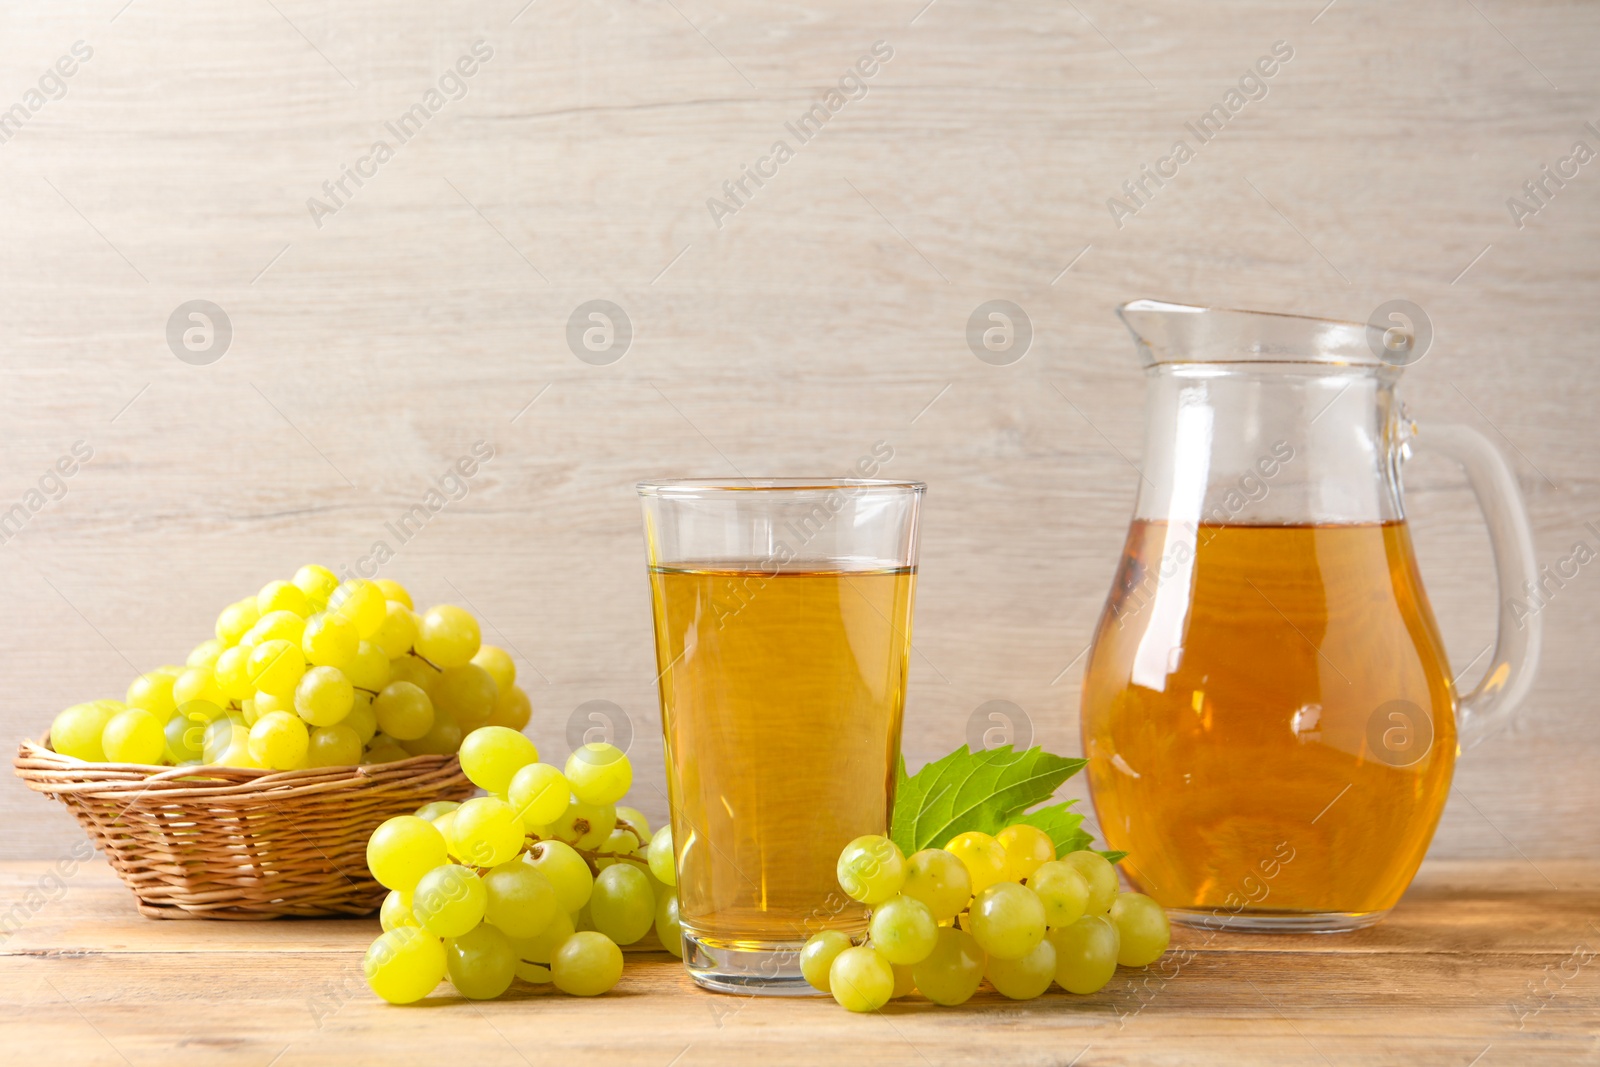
{"x":781,"y":693}
{"x":1278,"y":730}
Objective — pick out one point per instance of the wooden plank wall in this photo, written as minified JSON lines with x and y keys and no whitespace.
{"x":375,"y":339}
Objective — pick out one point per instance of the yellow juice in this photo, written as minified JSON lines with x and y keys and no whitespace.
{"x":1237,"y":744}
{"x":781,"y":698}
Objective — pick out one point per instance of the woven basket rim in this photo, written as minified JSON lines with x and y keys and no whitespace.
{"x":45,"y":770}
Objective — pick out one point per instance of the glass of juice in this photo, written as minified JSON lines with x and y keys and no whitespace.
{"x":783,"y":627}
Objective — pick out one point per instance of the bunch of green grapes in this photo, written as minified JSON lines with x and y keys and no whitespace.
{"x":1001,"y":908}
{"x":310,"y":672}
{"x":542,"y":880}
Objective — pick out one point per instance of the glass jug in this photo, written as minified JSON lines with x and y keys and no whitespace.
{"x":1268,"y":711}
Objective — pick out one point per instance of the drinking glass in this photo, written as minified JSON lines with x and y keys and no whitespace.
{"x":783,"y":626}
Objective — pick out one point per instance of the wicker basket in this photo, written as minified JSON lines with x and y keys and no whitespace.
{"x":230,"y":843}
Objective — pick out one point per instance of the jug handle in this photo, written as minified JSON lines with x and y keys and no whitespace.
{"x":1517,"y":639}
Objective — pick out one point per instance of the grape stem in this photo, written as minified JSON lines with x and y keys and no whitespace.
{"x":425,"y":659}
{"x":592,"y":857}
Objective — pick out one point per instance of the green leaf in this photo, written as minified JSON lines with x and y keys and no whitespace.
{"x":984,"y":791}
{"x":1062,"y":826}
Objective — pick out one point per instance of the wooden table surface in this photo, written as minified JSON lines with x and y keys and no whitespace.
{"x":1483,"y":963}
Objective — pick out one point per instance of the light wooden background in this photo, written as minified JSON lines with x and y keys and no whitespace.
{"x":826,"y":315}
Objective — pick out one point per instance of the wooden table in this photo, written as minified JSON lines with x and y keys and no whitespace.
{"x":1483,"y":964}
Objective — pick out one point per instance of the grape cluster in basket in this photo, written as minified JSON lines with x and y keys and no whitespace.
{"x":1002,"y":908}
{"x":309,"y":673}
{"x":541,"y":880}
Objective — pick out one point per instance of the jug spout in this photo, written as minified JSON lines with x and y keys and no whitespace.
{"x":1181,"y":333}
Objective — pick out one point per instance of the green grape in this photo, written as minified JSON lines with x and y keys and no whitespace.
{"x":448,"y":636}
{"x":329,"y":641}
{"x":134,"y":736}
{"x":413,"y":670}
{"x":492,"y":755}
{"x":566,"y":871}
{"x":1142,"y":930}
{"x":396,"y":911}
{"x":536,"y":973}
{"x":633,"y":819}
{"x":467,"y":692}
{"x":600,"y":773}
{"x":403,"y":711}
{"x":480,"y":963}
{"x":205,"y":653}
{"x":449,"y":900}
{"x":669,"y":931}
{"x":398,"y":632}
{"x":817,"y":956}
{"x":539,"y":793}
{"x":662,"y":862}
{"x":77,"y":731}
{"x":953,"y":970}
{"x":905,"y":980}
{"x":1101,"y":876}
{"x":404,"y":965}
{"x":185,"y":740}
{"x":1086,"y":954}
{"x":393,"y":590}
{"x":282,"y":596}
{"x":333,"y":746}
{"x":442,"y":738}
{"x":317,"y":583}
{"x":402,"y":850}
{"x":362,"y":719}
{"x":1026,"y":847}
{"x":541,"y":948}
{"x":871,"y":869}
{"x":622,"y":906}
{"x":276,"y":666}
{"x":153,"y":693}
{"x":279,"y":740}
{"x":202,"y":712}
{"x":433,"y":809}
{"x":940,"y":881}
{"x":512,"y":709}
{"x":585,"y":825}
{"x":622,"y":842}
{"x":586,"y":964}
{"x":982,"y":855}
{"x":1025,"y":978}
{"x":226,"y":740}
{"x":443,"y":823}
{"x":362,"y":603}
{"x":860,"y":979}
{"x":520,"y":902}
{"x":904,"y":930}
{"x":1007,"y":920}
{"x":265,"y":703}
{"x":497,"y":661}
{"x":369,"y":668}
{"x":236,"y":620}
{"x":1063,"y":892}
{"x":238,"y":754}
{"x":384,"y":750}
{"x":233,"y":673}
{"x":486,"y":832}
{"x":324,"y":696}
{"x":278,"y":626}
